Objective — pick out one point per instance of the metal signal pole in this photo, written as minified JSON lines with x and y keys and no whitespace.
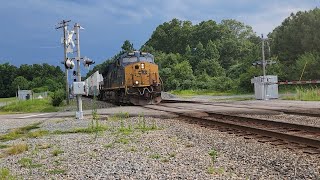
{"x":79,"y":100}
{"x":264,"y":69}
{"x":63,"y":24}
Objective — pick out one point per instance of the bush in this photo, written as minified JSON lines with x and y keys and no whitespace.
{"x":57,"y":97}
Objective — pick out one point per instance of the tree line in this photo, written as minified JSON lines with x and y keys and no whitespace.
{"x":37,"y":77}
{"x":219,"y":56}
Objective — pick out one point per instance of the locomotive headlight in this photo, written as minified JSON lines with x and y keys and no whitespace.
{"x":142,"y":65}
{"x":137,"y":82}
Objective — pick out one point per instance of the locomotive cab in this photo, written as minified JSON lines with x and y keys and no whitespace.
{"x":134,"y":77}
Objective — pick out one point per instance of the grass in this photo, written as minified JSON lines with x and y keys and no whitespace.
{"x":155,"y":156}
{"x":22,"y":132}
{"x":199,"y":92}
{"x":43,"y":146}
{"x":3,"y":146}
{"x":17,"y":149}
{"x":122,"y":140}
{"x":87,"y":130}
{"x":39,"y":133}
{"x":29,"y":106}
{"x":4,"y":100}
{"x":120,"y":116}
{"x":305,"y":94}
{"x":6,"y":175}
{"x":110,"y":145}
{"x":56,"y":152}
{"x":28,"y":163}
{"x":57,"y":171}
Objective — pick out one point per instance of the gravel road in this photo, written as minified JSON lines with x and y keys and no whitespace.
{"x":153,"y":149}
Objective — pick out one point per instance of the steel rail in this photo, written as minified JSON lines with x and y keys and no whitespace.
{"x":261,"y":131}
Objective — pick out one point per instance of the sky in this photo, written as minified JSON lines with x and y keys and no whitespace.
{"x":28,"y":34}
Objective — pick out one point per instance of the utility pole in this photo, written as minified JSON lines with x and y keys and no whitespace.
{"x":63,"y":24}
{"x":264,"y":69}
{"x":79,"y":100}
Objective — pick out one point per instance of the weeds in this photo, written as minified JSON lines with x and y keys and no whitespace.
{"x":212,"y":170}
{"x":110,"y":145}
{"x":28,"y":163}
{"x":3,"y":146}
{"x":122,"y":140}
{"x":6,"y":175}
{"x":213,"y":153}
{"x":88,"y":130}
{"x":36,"y":134}
{"x":133,"y":149}
{"x":17,"y":149}
{"x":43,"y":146}
{"x":172,"y":155}
{"x":165,"y":160}
{"x":57,"y":171}
{"x":155,"y":156}
{"x":56,"y":152}
{"x":19,"y":132}
{"x":120,"y":116}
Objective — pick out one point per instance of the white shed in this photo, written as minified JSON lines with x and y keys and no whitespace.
{"x":24,"y":94}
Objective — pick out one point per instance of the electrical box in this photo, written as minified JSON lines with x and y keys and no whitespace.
{"x":265,"y":88}
{"x":78,"y":88}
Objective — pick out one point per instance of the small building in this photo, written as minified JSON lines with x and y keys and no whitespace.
{"x":24,"y":94}
{"x":267,"y":88}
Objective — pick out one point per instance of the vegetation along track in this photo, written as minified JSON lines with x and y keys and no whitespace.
{"x":285,"y":111}
{"x":280,"y":134}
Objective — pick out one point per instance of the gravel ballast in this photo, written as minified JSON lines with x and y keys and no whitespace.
{"x":154,"y":149}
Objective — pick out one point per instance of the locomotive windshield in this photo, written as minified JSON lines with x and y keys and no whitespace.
{"x":130,"y":59}
{"x":146,"y":59}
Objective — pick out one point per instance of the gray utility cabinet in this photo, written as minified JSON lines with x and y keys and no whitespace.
{"x":265,"y":88}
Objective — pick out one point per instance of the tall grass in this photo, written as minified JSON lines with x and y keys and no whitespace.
{"x":312,"y":94}
{"x":35,"y":105}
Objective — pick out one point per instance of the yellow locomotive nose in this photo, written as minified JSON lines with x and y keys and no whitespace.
{"x":142,"y":74}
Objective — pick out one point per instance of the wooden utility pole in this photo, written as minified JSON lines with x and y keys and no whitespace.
{"x":63,"y":24}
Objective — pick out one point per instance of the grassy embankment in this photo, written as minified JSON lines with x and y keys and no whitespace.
{"x":6,"y":100}
{"x":35,"y":105}
{"x":305,"y":94}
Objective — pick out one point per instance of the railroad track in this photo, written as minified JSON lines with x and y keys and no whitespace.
{"x":285,"y":111}
{"x":281,"y":134}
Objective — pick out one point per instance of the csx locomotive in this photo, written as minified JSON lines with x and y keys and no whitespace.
{"x":133,"y":78}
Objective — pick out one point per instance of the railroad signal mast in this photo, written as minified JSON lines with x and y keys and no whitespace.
{"x":78,"y":86}
{"x":63,"y":24}
{"x":263,"y":63}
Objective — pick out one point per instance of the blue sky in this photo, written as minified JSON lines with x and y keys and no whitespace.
{"x":28,"y":35}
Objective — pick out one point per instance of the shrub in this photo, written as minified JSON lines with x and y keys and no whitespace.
{"x":57,"y":97}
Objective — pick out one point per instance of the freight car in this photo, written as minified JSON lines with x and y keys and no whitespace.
{"x":93,"y":84}
{"x":133,"y":78}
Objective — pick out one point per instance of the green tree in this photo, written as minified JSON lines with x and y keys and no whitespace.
{"x":20,"y":83}
{"x":7,"y":75}
{"x":211,"y":67}
{"x":127,"y":46}
{"x":298,"y":34}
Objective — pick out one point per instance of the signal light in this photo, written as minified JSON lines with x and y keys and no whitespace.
{"x":69,"y":64}
{"x":87,"y":62}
